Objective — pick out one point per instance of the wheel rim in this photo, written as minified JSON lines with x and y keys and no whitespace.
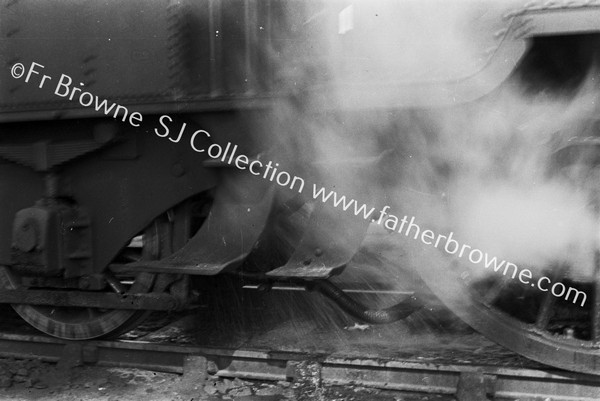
{"x":532,"y":323}
{"x":526,"y":339}
{"x":78,"y":323}
{"x":88,"y":323}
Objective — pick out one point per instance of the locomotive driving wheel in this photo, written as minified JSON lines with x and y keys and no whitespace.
{"x":79,"y":323}
{"x":545,"y":328}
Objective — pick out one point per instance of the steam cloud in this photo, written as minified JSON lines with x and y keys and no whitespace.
{"x":480,"y":169}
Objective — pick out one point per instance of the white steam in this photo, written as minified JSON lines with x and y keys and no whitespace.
{"x":479,"y":169}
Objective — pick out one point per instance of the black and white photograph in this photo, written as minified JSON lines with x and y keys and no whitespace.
{"x":298,"y":200}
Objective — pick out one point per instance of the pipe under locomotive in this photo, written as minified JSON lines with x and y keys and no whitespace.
{"x":161,"y":120}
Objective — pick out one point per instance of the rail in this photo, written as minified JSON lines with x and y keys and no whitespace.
{"x":382,"y":373}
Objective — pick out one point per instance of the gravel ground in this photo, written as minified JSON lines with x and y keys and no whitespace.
{"x":274,"y":320}
{"x":39,"y":381}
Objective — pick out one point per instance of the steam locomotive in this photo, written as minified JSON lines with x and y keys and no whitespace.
{"x":146,"y":143}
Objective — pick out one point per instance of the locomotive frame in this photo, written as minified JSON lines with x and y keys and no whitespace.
{"x":77,"y":188}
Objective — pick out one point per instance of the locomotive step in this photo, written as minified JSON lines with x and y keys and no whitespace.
{"x":229,"y":234}
{"x":327,"y":245}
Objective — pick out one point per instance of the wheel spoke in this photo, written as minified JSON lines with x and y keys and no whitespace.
{"x":545,"y":311}
{"x":595,"y":314}
{"x":493,"y":293}
{"x":592,"y":181}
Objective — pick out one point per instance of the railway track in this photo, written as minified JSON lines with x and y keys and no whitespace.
{"x":467,"y":381}
{"x":250,"y":340}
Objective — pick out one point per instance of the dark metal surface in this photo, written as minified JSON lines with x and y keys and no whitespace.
{"x":332,"y":236}
{"x":67,"y":299}
{"x":114,"y":185}
{"x":52,"y":238}
{"x":204,"y":52}
{"x":327,"y":245}
{"x":596,"y":305}
{"x":237,"y":219}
